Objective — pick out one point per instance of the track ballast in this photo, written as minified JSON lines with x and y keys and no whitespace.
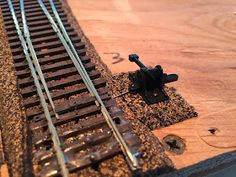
{"x":74,"y":123}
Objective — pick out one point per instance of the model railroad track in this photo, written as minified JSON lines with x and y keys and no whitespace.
{"x":74,"y":123}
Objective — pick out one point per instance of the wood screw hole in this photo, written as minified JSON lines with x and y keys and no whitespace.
{"x":173,"y":144}
{"x":213,"y":130}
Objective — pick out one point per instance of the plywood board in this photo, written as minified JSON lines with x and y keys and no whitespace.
{"x":195,"y":39}
{"x":218,"y":129}
{"x":196,"y":150}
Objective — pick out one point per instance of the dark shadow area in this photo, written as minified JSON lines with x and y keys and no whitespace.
{"x":206,"y":167}
{"x":27,"y":158}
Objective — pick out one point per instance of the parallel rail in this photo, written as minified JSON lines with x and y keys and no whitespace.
{"x":83,"y":124}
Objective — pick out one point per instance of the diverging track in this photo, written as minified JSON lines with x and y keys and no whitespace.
{"x":74,"y":123}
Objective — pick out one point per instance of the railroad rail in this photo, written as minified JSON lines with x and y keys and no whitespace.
{"x":74,"y":122}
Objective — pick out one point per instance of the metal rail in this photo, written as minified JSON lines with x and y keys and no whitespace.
{"x":52,"y":129}
{"x":34,"y":56}
{"x":64,"y":37}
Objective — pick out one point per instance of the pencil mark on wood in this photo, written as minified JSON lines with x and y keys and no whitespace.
{"x":116,"y":56}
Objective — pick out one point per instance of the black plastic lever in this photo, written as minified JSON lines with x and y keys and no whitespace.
{"x":135,"y":58}
{"x":149,"y":82}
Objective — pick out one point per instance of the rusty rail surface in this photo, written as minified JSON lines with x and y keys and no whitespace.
{"x":74,"y":122}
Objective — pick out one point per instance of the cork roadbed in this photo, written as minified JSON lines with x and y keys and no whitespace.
{"x":153,"y":159}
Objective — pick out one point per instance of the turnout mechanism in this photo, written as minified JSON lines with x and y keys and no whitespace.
{"x":62,"y":90}
{"x":149,"y":82}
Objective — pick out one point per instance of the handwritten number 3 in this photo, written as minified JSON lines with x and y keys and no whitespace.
{"x":116,"y":57}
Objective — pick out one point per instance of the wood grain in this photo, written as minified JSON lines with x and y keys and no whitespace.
{"x":196,"y":39}
{"x":218,"y":129}
{"x":196,"y":150}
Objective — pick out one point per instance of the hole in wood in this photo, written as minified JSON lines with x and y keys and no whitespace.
{"x":213,"y":131}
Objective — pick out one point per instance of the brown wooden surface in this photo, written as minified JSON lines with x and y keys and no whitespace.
{"x":196,"y":150}
{"x":223,"y":123}
{"x":196,"y":39}
{"x":3,"y":164}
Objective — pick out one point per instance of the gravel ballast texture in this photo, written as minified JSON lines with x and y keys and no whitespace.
{"x":153,"y":159}
{"x":154,"y":116}
{"x":12,"y":117}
